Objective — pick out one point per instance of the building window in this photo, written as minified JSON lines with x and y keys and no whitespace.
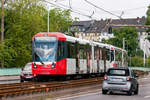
{"x":110,"y":30}
{"x":79,"y":29}
{"x":83,"y":29}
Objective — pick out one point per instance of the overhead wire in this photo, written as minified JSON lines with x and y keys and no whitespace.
{"x":71,"y":9}
{"x":75,"y":10}
{"x":102,"y":9}
{"x":131,"y":9}
{"x":116,"y":13}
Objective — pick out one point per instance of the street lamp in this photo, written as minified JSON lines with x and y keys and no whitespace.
{"x":48,"y":19}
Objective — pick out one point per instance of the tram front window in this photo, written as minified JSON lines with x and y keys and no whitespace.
{"x":44,"y":49}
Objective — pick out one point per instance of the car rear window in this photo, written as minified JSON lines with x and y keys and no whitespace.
{"x":118,"y":72}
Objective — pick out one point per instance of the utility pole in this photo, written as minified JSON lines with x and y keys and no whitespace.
{"x":2,"y":26}
{"x":48,"y":19}
{"x":144,"y":53}
{"x":123,"y":51}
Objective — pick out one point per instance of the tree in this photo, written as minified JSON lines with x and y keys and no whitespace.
{"x":148,"y":18}
{"x":24,"y":18}
{"x":130,"y":36}
{"x":60,"y":20}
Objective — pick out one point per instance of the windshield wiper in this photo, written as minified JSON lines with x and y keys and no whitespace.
{"x":42,"y":62}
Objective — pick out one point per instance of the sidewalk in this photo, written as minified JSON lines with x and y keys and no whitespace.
{"x":9,"y":78}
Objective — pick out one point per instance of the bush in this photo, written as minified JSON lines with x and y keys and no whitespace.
{"x":140,"y":53}
{"x":135,"y":61}
{"x":138,"y":62}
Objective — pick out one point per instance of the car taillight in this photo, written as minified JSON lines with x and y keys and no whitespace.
{"x":128,"y":78}
{"x":105,"y":77}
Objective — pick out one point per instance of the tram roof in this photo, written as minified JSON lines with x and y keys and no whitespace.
{"x":59,"y":35}
{"x":63,"y":37}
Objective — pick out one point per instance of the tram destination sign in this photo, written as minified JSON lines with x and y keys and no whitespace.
{"x":45,"y":39}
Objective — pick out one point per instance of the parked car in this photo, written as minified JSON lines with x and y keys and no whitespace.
{"x":120,"y":79}
{"x":26,"y":74}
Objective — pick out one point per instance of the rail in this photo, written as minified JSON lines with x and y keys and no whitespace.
{"x":32,"y":87}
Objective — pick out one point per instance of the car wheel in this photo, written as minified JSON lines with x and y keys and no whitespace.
{"x":111,"y":92}
{"x":21,"y":80}
{"x":130,"y":91}
{"x":137,"y":90}
{"x":104,"y":91}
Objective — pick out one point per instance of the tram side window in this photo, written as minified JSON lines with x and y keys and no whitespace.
{"x":107,"y":54}
{"x":112,"y":55}
{"x":118,"y":55}
{"x":100,"y":54}
{"x":36,"y":57}
{"x":61,"y":50}
{"x":71,"y":50}
{"x":96,"y":53}
{"x":82,"y":52}
{"x":88,"y":49}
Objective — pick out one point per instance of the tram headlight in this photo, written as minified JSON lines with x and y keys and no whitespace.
{"x":53,"y":65}
{"x":34,"y":65}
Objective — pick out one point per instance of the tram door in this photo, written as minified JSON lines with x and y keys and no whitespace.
{"x":104,"y":58}
{"x":77,"y":58}
{"x":82,"y":58}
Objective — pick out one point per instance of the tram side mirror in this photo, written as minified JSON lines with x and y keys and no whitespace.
{"x":22,"y":69}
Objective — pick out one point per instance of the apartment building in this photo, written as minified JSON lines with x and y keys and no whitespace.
{"x":97,"y":30}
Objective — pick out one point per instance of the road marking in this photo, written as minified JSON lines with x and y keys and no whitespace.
{"x":145,"y":78}
{"x":82,"y":94}
{"x":148,"y":96}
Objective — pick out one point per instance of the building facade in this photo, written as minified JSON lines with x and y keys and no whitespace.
{"x":102,"y":29}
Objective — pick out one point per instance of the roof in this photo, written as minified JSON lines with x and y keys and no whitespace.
{"x":81,"y":23}
{"x":131,"y":21}
{"x":103,"y":25}
{"x":97,"y":26}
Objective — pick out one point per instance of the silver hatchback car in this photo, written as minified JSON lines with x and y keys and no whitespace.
{"x":120,"y":79}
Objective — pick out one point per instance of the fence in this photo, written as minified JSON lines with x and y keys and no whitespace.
{"x":17,"y":71}
{"x":141,"y":68}
{"x":10,"y":71}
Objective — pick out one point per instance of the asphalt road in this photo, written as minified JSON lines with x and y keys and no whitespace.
{"x":144,"y":93}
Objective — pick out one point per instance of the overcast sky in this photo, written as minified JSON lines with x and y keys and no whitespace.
{"x":128,"y":8}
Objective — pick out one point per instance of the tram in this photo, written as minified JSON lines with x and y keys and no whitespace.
{"x":55,"y":54}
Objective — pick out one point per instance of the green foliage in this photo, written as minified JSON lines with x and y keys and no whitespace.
{"x":148,"y":38}
{"x":139,"y":53}
{"x":148,"y":18}
{"x":129,"y":34}
{"x":59,"y":20}
{"x":23,"y":19}
{"x":136,"y":61}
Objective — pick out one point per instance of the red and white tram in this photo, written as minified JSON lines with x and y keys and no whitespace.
{"x":56,"y":54}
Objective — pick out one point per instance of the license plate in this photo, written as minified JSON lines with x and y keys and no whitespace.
{"x":119,"y":80}
{"x":29,"y":77}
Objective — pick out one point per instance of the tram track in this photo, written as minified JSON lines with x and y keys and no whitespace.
{"x":29,"y":87}
{"x":35,"y":87}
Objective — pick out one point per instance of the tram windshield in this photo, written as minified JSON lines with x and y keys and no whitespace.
{"x":44,"y":49}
